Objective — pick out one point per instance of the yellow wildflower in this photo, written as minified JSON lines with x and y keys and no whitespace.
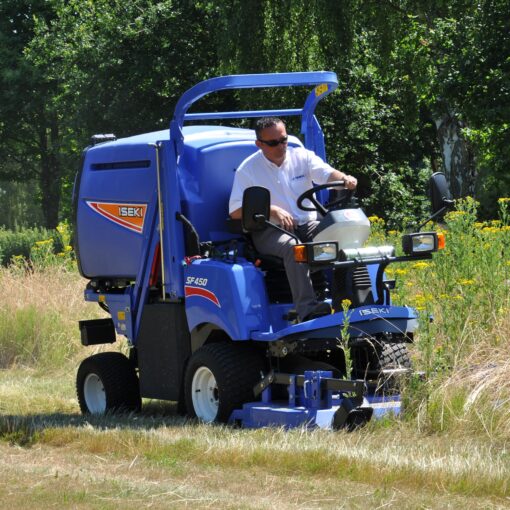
{"x":376,"y":220}
{"x":454,"y":214}
{"x":421,"y":265}
{"x":346,"y":303}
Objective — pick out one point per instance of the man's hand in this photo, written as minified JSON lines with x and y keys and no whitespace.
{"x":350,"y":182}
{"x":282,"y":217}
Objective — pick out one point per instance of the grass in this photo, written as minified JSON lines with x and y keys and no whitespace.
{"x":451,"y":449}
{"x":160,"y":460}
{"x":39,"y":313}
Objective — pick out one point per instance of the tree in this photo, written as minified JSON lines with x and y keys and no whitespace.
{"x":30,"y":134}
{"x":123,"y":64}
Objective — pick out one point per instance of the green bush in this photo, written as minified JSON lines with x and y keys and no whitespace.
{"x":38,"y":245}
{"x":20,"y":242}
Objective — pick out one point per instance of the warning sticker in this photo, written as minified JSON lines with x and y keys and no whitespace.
{"x":320,"y":89}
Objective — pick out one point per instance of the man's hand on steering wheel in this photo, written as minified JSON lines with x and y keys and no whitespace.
{"x":350,"y":182}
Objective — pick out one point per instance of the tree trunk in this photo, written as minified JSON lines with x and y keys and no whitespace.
{"x":458,"y":160}
{"x":50,"y":173}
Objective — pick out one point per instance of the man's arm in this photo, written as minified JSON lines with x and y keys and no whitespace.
{"x":237,"y":214}
{"x":350,"y":181}
{"x":278,"y":216}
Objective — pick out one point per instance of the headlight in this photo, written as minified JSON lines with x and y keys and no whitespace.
{"x":422,"y":242}
{"x":316,"y":252}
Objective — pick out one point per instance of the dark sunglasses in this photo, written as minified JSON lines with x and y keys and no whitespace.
{"x":274,"y":143}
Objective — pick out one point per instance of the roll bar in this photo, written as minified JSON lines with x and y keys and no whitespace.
{"x":324,"y":83}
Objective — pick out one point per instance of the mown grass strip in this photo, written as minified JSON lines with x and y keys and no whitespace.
{"x":358,"y":457}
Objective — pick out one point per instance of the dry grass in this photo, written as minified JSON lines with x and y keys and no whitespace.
{"x":450,"y":452}
{"x":159,"y":460}
{"x":39,"y":313}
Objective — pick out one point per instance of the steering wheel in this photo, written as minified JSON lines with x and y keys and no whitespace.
{"x":309,"y":195}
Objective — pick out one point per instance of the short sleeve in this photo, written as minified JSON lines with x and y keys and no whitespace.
{"x":319,"y":169}
{"x":241,"y":182}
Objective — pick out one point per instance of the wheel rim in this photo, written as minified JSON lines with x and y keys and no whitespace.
{"x":94,"y":394}
{"x":205,"y":395}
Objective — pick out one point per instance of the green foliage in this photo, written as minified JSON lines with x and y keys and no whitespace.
{"x":71,"y":69}
{"x":19,"y":243}
{"x":17,"y":206}
{"x":465,"y":289}
{"x":31,"y":134}
{"x":125,"y":63}
{"x":37,"y":246}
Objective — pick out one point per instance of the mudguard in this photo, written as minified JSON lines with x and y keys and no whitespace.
{"x":362,"y":321}
{"x":230,"y":295}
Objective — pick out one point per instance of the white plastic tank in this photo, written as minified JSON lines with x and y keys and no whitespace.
{"x":349,"y":227}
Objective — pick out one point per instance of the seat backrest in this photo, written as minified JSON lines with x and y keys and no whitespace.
{"x":207,"y":175}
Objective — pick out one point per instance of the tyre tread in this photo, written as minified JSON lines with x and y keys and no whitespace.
{"x":119,"y":380}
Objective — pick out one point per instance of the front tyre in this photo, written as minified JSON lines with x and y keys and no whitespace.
{"x":220,"y":378}
{"x":370,"y":358}
{"x":107,"y":382}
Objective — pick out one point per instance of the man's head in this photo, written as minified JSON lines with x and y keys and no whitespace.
{"x":272,"y":138}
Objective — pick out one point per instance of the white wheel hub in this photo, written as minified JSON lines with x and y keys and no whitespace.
{"x":204,"y":394}
{"x":94,"y":394}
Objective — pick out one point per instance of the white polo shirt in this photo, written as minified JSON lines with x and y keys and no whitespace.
{"x":300,"y":169}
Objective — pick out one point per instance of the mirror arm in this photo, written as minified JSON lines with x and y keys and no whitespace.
{"x":280,"y":229}
{"x":447,"y":205}
{"x":261,"y":219}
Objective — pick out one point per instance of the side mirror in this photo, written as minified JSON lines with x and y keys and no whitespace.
{"x":439,"y":194}
{"x":440,"y":197}
{"x":256,"y":208}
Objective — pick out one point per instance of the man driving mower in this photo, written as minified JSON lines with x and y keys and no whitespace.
{"x":286,"y":172}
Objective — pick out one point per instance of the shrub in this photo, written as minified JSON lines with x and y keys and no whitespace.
{"x":20,"y":242}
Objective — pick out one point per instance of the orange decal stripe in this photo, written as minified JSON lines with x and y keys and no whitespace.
{"x":130,"y":216}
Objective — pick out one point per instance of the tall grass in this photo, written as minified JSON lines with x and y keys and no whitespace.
{"x":464,"y":351}
{"x":464,"y":342}
{"x":39,"y":310}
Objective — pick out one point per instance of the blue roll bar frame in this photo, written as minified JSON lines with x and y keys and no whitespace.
{"x":324,"y":83}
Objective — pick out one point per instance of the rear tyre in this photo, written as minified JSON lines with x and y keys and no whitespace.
{"x":220,"y":378}
{"x":107,"y":382}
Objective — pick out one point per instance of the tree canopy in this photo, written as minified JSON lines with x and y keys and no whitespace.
{"x":424,"y":86}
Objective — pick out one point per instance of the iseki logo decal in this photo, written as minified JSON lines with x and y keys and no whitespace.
{"x":130,"y":216}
